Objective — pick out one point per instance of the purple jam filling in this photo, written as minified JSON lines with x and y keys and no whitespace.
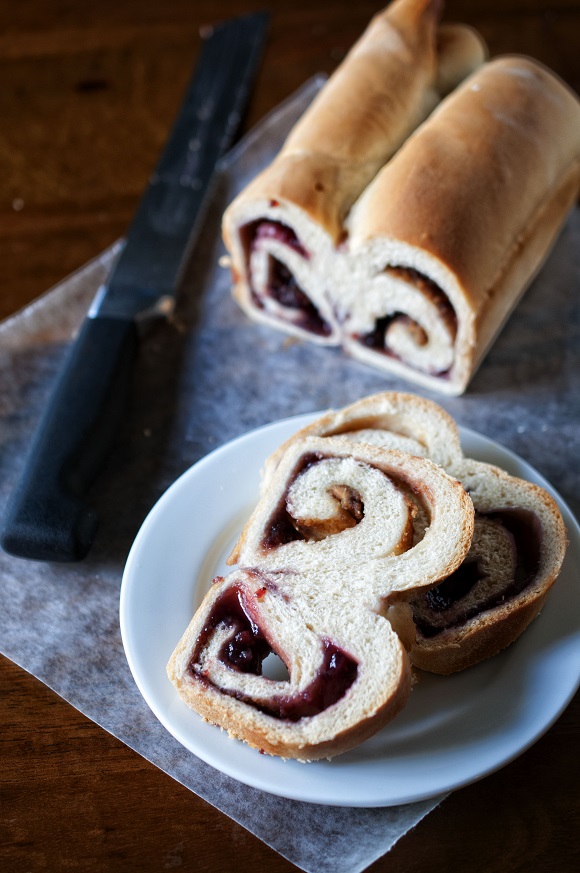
{"x":526,"y":530}
{"x":282,"y":286}
{"x":284,"y":289}
{"x":280,"y":232}
{"x":247,"y":649}
{"x":334,"y":678}
{"x":455,"y":587}
{"x":375,"y":339}
{"x":281,"y":529}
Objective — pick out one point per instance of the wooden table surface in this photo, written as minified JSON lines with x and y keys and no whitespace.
{"x":87,"y":95}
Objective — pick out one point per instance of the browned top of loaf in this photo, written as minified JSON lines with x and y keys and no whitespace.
{"x":467,"y":186}
{"x":365,"y":105}
{"x":373,"y":101}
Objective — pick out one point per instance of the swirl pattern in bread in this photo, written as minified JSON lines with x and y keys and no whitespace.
{"x":326,"y":565}
{"x":519,"y":537}
{"x":285,"y":231}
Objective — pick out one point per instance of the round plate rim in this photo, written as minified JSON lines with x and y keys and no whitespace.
{"x":309,"y":791}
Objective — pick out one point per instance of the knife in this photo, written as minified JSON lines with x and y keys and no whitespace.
{"x":48,"y":518}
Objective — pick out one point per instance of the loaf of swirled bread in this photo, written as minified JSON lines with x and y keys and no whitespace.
{"x":286,"y":231}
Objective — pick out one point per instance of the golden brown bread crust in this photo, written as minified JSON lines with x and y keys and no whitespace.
{"x":460,"y":50}
{"x":369,"y":102}
{"x":477,"y":195}
{"x":534,"y":247}
{"x":212,"y":707}
{"x":470,"y":180}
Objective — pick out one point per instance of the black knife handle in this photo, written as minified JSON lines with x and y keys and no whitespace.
{"x":47,"y":518}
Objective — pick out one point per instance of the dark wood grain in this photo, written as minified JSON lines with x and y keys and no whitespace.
{"x":87,"y":94}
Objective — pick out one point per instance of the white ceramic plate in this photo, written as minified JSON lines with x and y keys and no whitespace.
{"x":454,"y":730}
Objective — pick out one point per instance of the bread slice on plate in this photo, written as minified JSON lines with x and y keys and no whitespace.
{"x":518,"y":544}
{"x":326,"y":566}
